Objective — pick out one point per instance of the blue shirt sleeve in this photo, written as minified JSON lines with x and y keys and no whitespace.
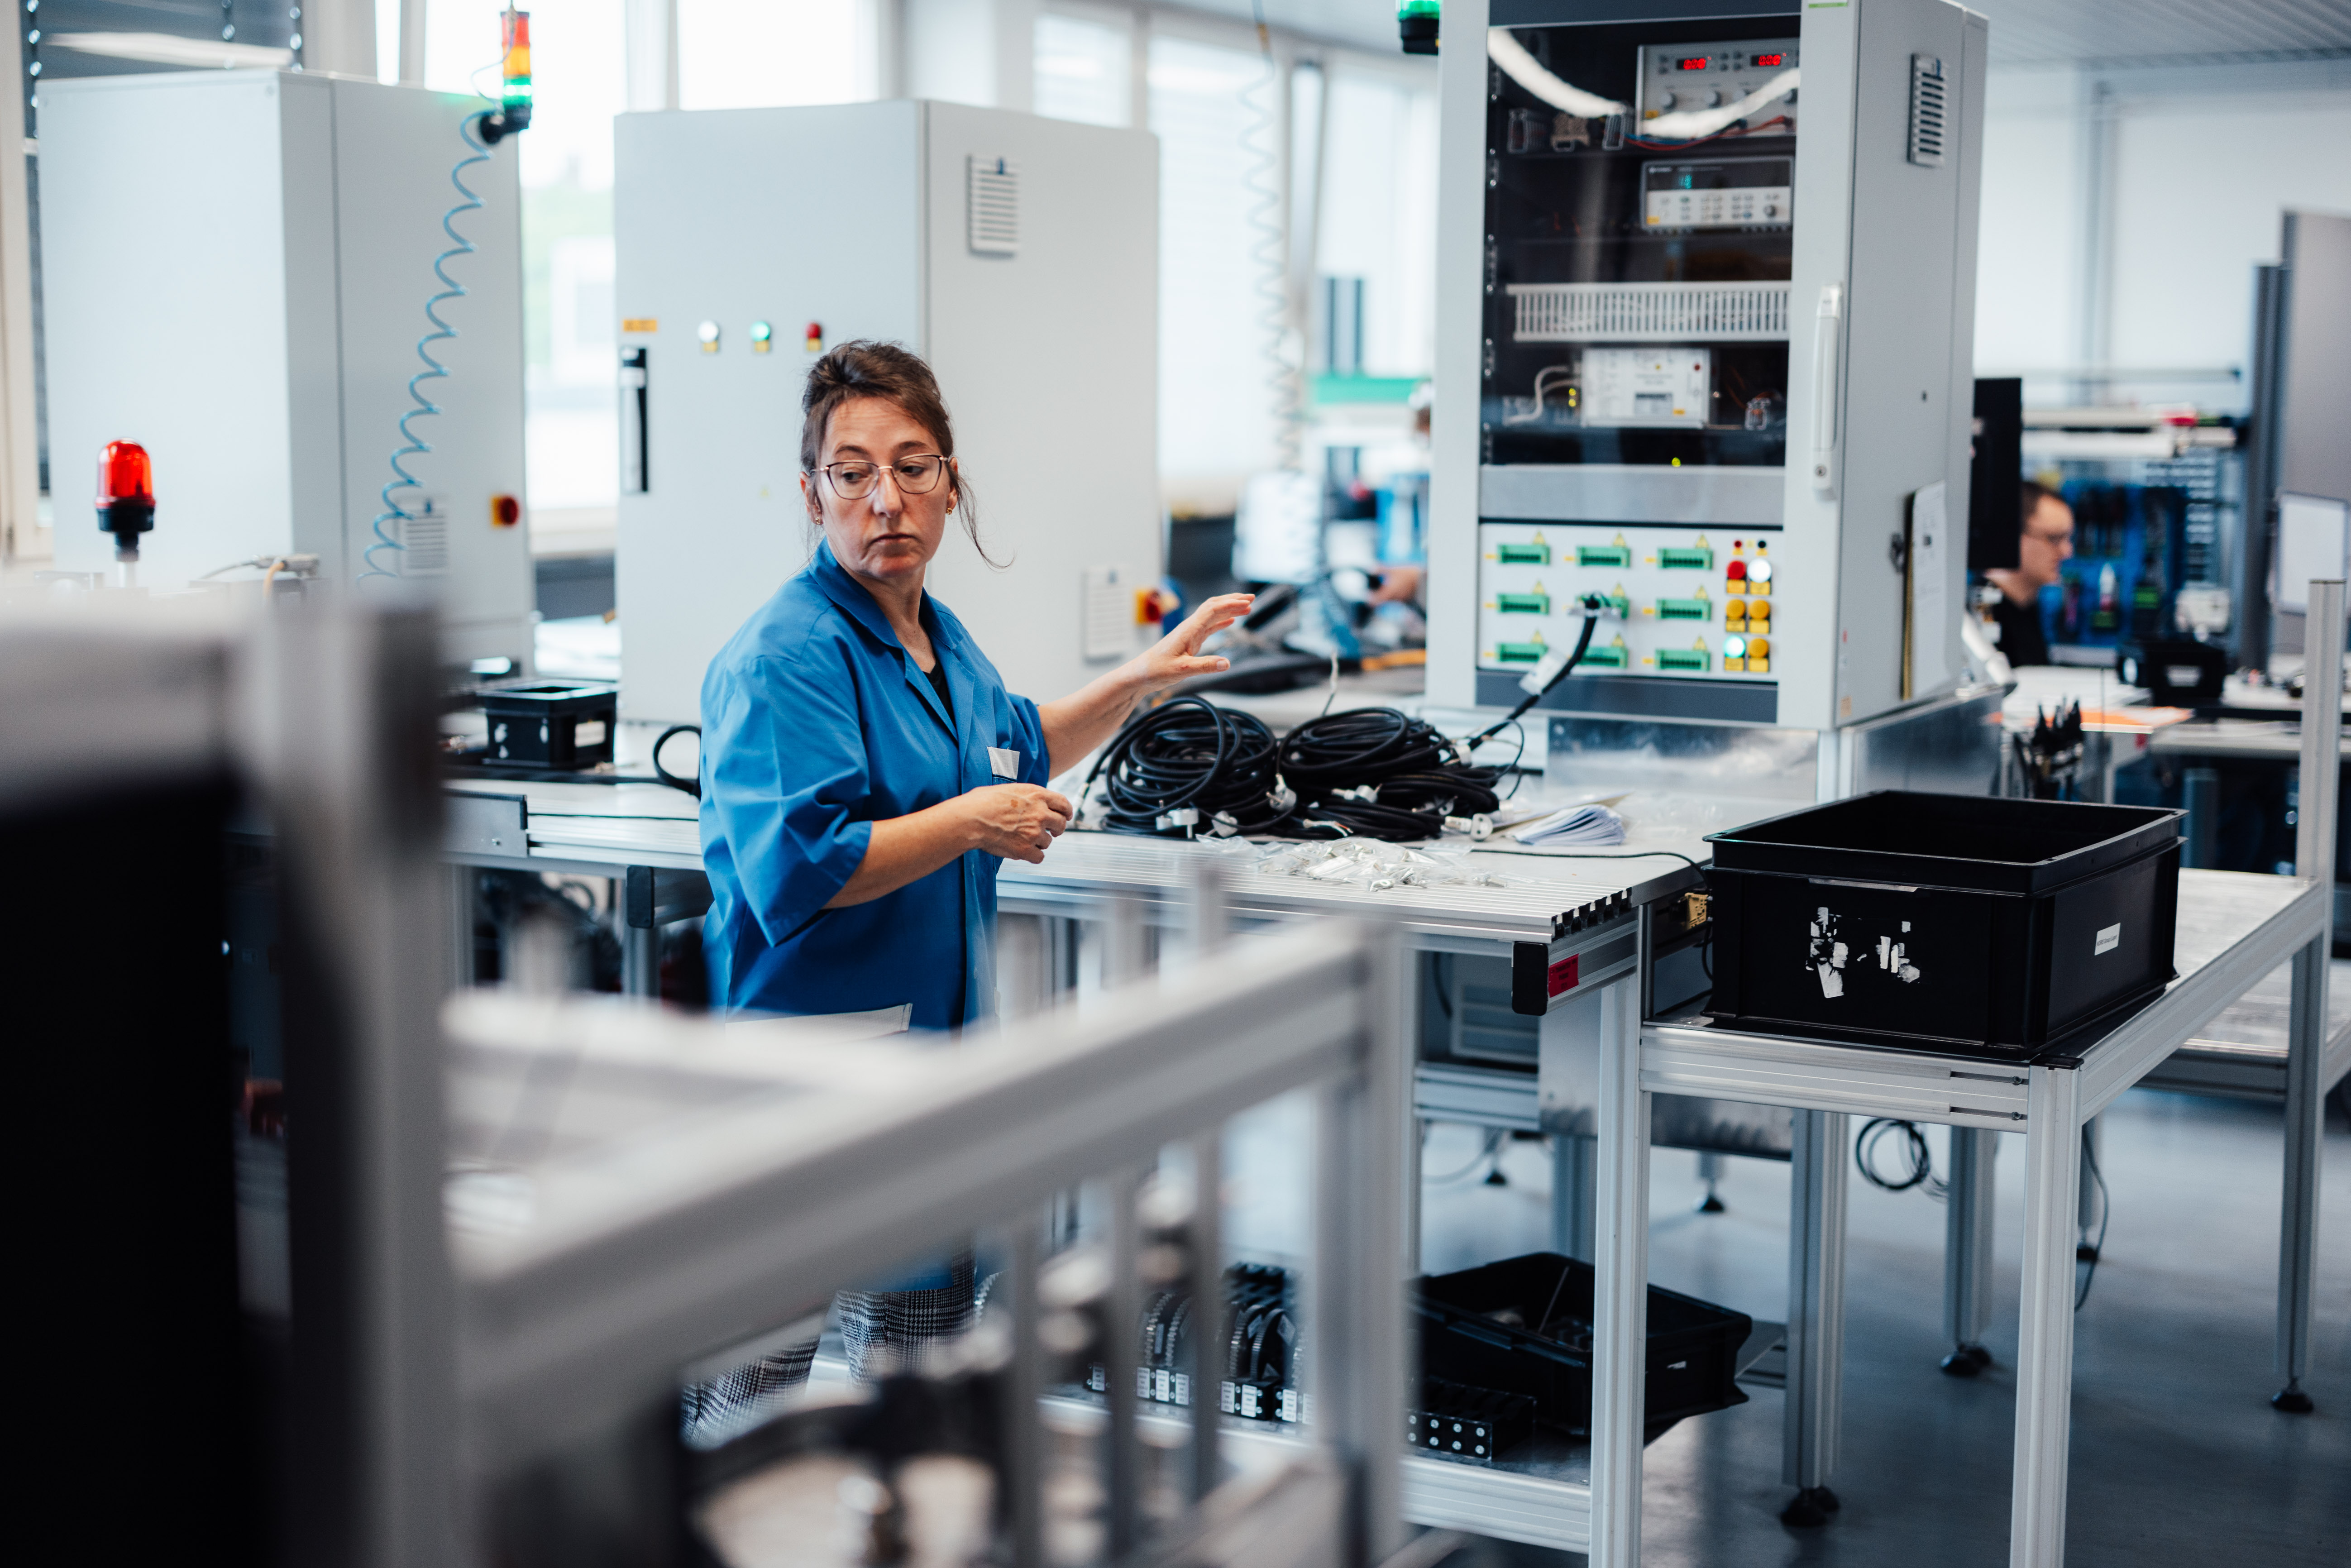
{"x":788,"y":772}
{"x":1029,"y":727}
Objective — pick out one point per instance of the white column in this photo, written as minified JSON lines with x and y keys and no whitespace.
{"x":411,"y":39}
{"x":652,"y":53}
{"x":979,"y":52}
{"x":338,"y":35}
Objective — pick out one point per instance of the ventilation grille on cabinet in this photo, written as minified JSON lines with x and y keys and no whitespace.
{"x":424,"y":536}
{"x":1926,"y":125}
{"x":995,"y":201}
{"x":1648,"y":312}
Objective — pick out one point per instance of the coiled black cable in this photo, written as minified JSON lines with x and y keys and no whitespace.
{"x":1176,"y":768}
{"x":1361,"y":745}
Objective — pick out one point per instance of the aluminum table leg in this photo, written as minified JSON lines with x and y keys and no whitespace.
{"x":2045,"y":1341}
{"x":1966,"y":1251}
{"x":2313,"y":857}
{"x":641,"y":960}
{"x":1815,"y":1313}
{"x":1621,"y":1286}
{"x":1574,"y":1184}
{"x":2298,"y":1224}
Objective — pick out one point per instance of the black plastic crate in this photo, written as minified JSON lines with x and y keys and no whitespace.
{"x":1523,"y":1326}
{"x":1475,"y":1425}
{"x":558,"y":725}
{"x":1963,"y":924}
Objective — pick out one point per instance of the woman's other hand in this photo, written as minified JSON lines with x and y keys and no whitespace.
{"x":1177,"y":657}
{"x":1017,"y":821}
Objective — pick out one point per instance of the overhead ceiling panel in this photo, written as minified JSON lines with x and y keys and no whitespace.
{"x":2023,"y":32}
{"x":2061,"y":32}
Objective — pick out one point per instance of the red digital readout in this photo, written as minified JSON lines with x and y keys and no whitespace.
{"x":1696,"y":63}
{"x":1766,"y":61}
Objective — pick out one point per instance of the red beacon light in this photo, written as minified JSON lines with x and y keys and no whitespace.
{"x":126,"y":496}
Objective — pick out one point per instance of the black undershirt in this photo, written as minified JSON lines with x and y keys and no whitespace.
{"x":939,"y":678}
{"x":938,"y":674}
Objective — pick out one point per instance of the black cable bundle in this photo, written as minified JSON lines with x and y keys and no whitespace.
{"x":1381,"y":774}
{"x":1175,"y":769}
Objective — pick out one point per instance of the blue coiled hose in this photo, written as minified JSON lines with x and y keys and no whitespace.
{"x":449,"y":289}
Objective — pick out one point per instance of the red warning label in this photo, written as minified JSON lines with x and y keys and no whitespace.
{"x":1563,"y":974}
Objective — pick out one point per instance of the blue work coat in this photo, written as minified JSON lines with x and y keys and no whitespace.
{"x":816,"y":724}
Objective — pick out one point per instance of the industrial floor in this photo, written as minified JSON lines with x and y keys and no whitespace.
{"x":2176,"y":1456}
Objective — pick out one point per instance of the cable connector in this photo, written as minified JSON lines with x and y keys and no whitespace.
{"x":1537,"y":681}
{"x":1181,"y":817}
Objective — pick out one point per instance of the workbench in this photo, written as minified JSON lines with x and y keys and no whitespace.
{"x":2235,"y":929}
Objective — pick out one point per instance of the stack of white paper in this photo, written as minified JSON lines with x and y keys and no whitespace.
{"x":1577,"y":826}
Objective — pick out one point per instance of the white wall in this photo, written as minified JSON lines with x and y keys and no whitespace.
{"x":2202,"y":160}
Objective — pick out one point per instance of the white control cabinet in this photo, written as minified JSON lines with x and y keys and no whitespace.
{"x":1018,"y":255}
{"x":1705,"y":315}
{"x":236,"y":266}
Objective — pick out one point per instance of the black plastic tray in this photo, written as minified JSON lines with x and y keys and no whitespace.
{"x":1967,"y":925}
{"x":1486,"y":1327}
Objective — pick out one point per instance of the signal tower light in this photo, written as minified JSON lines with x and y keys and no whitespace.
{"x":514,"y":98}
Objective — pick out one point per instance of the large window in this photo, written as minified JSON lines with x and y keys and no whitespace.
{"x":762,"y":54}
{"x":571,"y":421}
{"x":1378,"y":220}
{"x":1220,"y":244}
{"x":732,"y":54}
{"x":1084,"y":70}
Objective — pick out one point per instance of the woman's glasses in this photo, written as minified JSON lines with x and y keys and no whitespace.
{"x":915,"y":476}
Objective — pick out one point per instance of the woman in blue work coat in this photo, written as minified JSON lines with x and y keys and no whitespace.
{"x":864,"y":769}
{"x":864,"y":772}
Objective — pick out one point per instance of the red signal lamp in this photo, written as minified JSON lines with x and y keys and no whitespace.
{"x":126,"y":496}
{"x":506,"y":511}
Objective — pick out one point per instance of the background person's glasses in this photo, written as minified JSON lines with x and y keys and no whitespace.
{"x":915,"y":476}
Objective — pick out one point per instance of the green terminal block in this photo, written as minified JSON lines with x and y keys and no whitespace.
{"x":1522,"y":603}
{"x":1522,"y":554}
{"x":1603,"y":555}
{"x":1685,"y":609}
{"x":1615,"y":657}
{"x":1520,"y":652}
{"x":1622,"y":604}
{"x":1684,"y":659}
{"x":1692,"y":557}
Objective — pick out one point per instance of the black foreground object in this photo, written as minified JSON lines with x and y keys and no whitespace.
{"x":1954,"y":924}
{"x":1810,"y":1508}
{"x":1523,"y":1326}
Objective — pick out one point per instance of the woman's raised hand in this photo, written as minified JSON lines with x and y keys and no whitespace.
{"x":1177,"y":657}
{"x":1017,"y":821}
